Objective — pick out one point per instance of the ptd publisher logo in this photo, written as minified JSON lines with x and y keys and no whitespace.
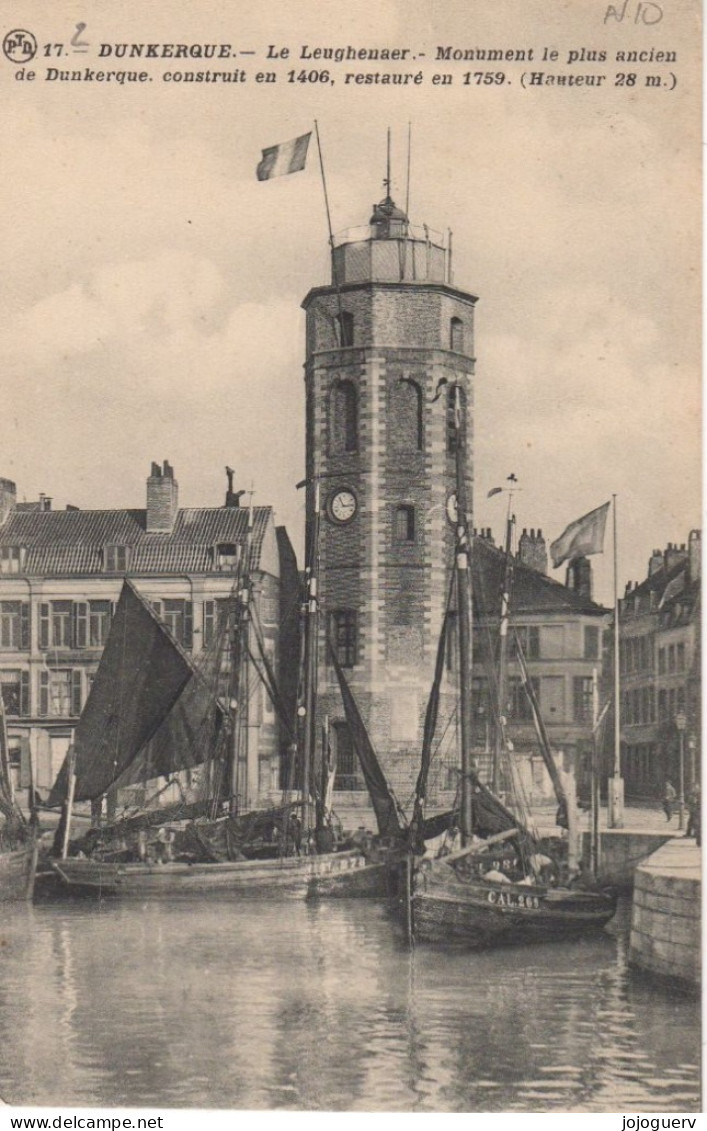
{"x":19,"y":46}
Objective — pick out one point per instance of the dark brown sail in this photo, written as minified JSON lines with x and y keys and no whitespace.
{"x":386,"y":807}
{"x":141,"y":674}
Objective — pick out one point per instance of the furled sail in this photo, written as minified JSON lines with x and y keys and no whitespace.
{"x":384,"y":803}
{"x":543,"y":739}
{"x":430,"y":724}
{"x":141,"y":674}
{"x":7,"y":798}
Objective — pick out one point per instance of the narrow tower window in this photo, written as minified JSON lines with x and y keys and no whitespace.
{"x":343,"y":633}
{"x":456,"y":335}
{"x":345,"y":323}
{"x":344,"y":417}
{"x":451,"y":418}
{"x":407,"y":415}
{"x":404,"y":524}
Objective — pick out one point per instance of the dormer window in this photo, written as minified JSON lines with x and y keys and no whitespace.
{"x":116,"y":558}
{"x":226,"y":556}
{"x":11,"y":559}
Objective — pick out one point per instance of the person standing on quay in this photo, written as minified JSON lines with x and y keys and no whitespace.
{"x":669,"y":796}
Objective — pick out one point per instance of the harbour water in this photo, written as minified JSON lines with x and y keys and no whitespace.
{"x":297,"y":1006}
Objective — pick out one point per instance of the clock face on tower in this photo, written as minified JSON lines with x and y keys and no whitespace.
{"x":343,"y":506}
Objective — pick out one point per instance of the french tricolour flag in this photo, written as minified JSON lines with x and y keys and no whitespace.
{"x":288,"y":157}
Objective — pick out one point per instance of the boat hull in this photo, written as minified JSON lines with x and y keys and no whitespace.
{"x":479,"y":914}
{"x":17,"y":872}
{"x":292,"y":876}
{"x":369,"y":881}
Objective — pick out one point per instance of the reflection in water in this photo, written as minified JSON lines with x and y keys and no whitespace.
{"x":291,"y":1006}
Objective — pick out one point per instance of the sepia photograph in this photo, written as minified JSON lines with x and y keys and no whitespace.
{"x":350,"y":560}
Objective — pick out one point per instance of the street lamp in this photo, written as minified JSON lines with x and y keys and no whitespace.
{"x":681,"y":723}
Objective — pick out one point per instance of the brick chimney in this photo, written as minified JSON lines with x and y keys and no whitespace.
{"x":579,"y":578}
{"x":694,"y":554}
{"x":162,"y":499}
{"x":655,"y":562}
{"x":673,"y":555}
{"x":532,"y":551}
{"x":8,"y":498}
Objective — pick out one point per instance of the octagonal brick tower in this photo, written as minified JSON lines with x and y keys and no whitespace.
{"x":386,"y":342}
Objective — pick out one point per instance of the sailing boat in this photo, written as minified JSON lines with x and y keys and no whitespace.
{"x":18,"y":839}
{"x":152,"y":713}
{"x":498,"y":887}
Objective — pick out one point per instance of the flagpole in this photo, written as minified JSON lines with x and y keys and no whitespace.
{"x":407,"y":211}
{"x":616,"y":798}
{"x":331,"y":237}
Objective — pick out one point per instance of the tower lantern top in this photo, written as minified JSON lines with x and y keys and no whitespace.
{"x":388,"y":221}
{"x":390,"y":249}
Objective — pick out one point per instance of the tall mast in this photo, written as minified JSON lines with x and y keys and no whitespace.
{"x":311,"y":639}
{"x":239,"y":691}
{"x":463,"y":572}
{"x":503,"y":647}
{"x":616,"y":801}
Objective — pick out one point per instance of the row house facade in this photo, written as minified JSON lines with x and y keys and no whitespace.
{"x":660,"y":666}
{"x":61,"y":573}
{"x":561,"y":631}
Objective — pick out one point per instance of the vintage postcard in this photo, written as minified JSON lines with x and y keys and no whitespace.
{"x":350,"y":670}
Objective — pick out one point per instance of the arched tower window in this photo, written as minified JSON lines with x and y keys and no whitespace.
{"x":407,"y":416}
{"x":404,"y":523}
{"x":344,"y":417}
{"x":451,"y":417}
{"x":456,"y":335}
{"x":345,"y":323}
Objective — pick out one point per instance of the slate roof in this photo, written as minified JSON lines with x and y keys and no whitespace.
{"x":72,"y":542}
{"x":533,"y":592}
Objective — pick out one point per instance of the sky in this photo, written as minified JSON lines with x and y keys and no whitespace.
{"x":151,"y":291}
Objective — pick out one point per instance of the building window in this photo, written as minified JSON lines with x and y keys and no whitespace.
{"x":661,"y":661}
{"x":346,"y":761}
{"x":529,"y":640}
{"x":671,"y":657}
{"x":680,"y":656}
{"x":60,"y":624}
{"x":116,"y":559}
{"x":456,"y":335}
{"x":591,"y":642}
{"x":344,"y":417}
{"x":215,"y":618}
{"x":582,"y":699}
{"x":452,"y":417}
{"x":60,"y":693}
{"x":177,"y":616}
{"x":407,"y":415}
{"x":404,"y":523}
{"x":345,"y":323}
{"x":91,"y":623}
{"x":520,"y":709}
{"x":99,"y":617}
{"x":14,"y":625}
{"x":344,"y":636}
{"x":14,"y":687}
{"x":11,"y":559}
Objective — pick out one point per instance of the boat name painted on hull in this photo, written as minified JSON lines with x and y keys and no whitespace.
{"x":512,"y":899}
